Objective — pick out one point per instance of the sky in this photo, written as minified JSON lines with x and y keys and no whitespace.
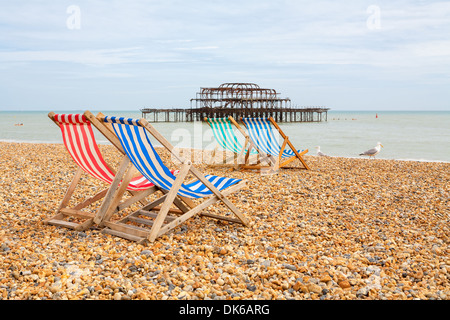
{"x":128,"y":55}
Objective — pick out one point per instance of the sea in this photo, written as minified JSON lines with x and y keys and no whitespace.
{"x":405,"y":135}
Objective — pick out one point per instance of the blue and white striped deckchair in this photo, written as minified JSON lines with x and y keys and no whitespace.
{"x":134,"y":138}
{"x":263,"y":134}
{"x":226,"y":137}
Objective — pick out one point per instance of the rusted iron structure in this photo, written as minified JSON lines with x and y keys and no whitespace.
{"x":239,"y":100}
{"x":249,"y":100}
{"x":240,"y":96}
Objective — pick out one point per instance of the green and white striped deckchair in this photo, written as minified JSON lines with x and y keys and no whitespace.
{"x":226,"y":138}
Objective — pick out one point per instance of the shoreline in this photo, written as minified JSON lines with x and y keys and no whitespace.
{"x":345,"y":230}
{"x":194,"y":149}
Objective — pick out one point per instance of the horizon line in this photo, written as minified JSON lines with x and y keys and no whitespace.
{"x":138,"y":110}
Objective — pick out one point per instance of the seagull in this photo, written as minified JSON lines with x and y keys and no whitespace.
{"x":320,"y":153}
{"x":372,"y":152}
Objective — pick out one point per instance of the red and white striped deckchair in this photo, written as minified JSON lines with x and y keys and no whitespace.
{"x":80,"y":142}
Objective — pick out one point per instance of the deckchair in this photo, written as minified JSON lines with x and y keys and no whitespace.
{"x":262,"y":135}
{"x":80,"y":142}
{"x":226,"y":139}
{"x":144,"y":225}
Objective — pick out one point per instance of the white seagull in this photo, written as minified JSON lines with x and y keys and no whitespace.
{"x":372,"y":152}
{"x":320,"y":153}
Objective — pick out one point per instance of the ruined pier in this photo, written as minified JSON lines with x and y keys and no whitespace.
{"x":238,"y":100}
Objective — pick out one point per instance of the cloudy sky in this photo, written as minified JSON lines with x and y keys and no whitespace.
{"x":126,"y":55}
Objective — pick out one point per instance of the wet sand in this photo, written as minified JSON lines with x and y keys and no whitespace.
{"x":347,"y":229}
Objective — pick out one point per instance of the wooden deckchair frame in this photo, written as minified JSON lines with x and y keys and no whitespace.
{"x":275,"y":163}
{"x":237,"y":160}
{"x":186,"y":208}
{"x":106,"y":195}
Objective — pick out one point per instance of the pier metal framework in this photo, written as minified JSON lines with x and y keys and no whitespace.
{"x":239,"y":100}
{"x":239,"y":96}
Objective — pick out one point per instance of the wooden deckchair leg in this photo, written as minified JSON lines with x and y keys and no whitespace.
{"x":137,"y":197}
{"x":63,"y":211}
{"x":188,"y":202}
{"x":216,"y":192}
{"x":286,"y":162}
{"x":100,"y":216}
{"x":170,"y":197}
{"x":177,"y":202}
{"x":289,"y":143}
{"x":119,"y":193}
{"x":247,"y":155}
{"x":69,"y":192}
{"x":198,"y":209}
{"x":278,"y":161}
{"x":71,"y":189}
{"x":302,"y":160}
{"x":299,"y":157}
{"x":87,"y":202}
{"x":241,"y":154}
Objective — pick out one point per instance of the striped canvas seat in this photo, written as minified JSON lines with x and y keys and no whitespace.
{"x":225,"y":136}
{"x":263,"y":135}
{"x":82,"y":212}
{"x":80,"y":142}
{"x":139,"y":149}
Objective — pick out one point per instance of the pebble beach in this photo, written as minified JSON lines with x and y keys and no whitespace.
{"x":348,"y":229}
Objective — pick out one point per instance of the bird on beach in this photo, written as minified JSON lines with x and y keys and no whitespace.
{"x":372,"y":152}
{"x":320,"y":153}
